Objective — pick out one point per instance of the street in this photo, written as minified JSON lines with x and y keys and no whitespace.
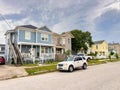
{"x":97,"y":77}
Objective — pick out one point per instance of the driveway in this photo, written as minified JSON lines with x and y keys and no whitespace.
{"x":98,"y":77}
{"x":9,"y":71}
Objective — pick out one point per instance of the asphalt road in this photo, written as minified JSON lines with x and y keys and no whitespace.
{"x":98,"y":77}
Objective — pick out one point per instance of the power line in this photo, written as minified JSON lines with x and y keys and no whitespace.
{"x":5,"y":20}
{"x":119,"y":3}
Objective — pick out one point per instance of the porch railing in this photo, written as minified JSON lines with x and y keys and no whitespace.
{"x":43,"y":56}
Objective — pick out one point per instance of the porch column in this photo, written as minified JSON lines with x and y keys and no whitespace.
{"x":31,"y":51}
{"x":62,"y":50}
{"x":40,"y":52}
{"x":36,"y":36}
{"x":54,"y":49}
{"x":20,"y":48}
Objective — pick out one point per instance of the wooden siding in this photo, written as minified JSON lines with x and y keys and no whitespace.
{"x":33,"y":38}
{"x":22,"y":37}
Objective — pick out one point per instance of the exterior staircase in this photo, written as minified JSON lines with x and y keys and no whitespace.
{"x":16,"y":54}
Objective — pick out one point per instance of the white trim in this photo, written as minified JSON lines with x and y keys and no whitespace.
{"x":18,"y":35}
{"x":42,"y":44}
{"x":34,"y":30}
{"x":36,"y":37}
{"x":46,"y":32}
{"x":20,"y":48}
{"x":40,"y":52}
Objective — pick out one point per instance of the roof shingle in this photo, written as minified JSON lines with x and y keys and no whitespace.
{"x":29,"y":26}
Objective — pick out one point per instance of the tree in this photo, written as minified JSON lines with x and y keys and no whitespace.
{"x":68,"y":52}
{"x":111,"y":54}
{"x":81,"y":40}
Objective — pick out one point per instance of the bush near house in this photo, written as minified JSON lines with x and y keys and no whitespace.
{"x":113,"y":55}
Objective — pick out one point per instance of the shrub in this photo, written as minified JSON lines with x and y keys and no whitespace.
{"x":116,"y":55}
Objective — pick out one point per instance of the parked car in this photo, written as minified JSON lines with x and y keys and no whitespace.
{"x":85,"y":56}
{"x":2,"y":60}
{"x":71,"y":63}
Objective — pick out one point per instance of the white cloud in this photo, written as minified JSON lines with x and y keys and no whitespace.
{"x":59,"y":15}
{"x":28,"y":21}
{"x":115,"y":5}
{"x":5,"y":8}
{"x":3,"y":28}
{"x":63,"y":3}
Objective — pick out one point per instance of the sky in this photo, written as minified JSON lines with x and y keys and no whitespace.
{"x":100,"y":17}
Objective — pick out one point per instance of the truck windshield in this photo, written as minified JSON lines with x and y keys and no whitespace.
{"x":69,"y":59}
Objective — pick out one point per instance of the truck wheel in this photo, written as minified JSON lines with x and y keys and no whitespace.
{"x":84,"y":66}
{"x":71,"y":68}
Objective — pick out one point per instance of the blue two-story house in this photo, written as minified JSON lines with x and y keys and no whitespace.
{"x":29,"y":41}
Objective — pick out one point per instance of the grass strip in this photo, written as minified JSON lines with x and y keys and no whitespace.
{"x":41,"y":69}
{"x":52,"y":67}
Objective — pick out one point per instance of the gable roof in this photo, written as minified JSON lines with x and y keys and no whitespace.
{"x":45,"y":28}
{"x":29,"y":26}
{"x":56,"y":34}
{"x":99,"y":42}
{"x":66,"y":34}
{"x":114,"y":44}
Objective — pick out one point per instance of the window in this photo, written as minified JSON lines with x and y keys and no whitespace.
{"x":27,"y":35}
{"x":44,"y":37}
{"x":44,"y":49}
{"x":2,"y":48}
{"x":79,"y":58}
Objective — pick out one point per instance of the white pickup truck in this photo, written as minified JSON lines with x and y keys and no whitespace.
{"x":86,"y":57}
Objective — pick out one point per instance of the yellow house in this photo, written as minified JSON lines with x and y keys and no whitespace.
{"x":101,"y":47}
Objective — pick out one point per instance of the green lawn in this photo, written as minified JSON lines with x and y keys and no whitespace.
{"x":96,"y":62}
{"x":50,"y":67}
{"x":41,"y":69}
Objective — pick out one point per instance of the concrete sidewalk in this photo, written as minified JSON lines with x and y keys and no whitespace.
{"x":8,"y":71}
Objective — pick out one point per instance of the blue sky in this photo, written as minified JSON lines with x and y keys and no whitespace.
{"x":100,"y":17}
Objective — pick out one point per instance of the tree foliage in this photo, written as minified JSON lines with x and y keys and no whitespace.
{"x":81,"y":40}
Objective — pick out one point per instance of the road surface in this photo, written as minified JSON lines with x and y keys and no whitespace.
{"x":98,"y":77}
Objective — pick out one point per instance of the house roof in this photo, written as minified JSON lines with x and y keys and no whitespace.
{"x":113,"y":44}
{"x":66,"y":34}
{"x":56,"y":34}
{"x":99,"y":42}
{"x":2,"y":44}
{"x":28,"y":26}
{"x":45,"y":28}
{"x":9,"y":31}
